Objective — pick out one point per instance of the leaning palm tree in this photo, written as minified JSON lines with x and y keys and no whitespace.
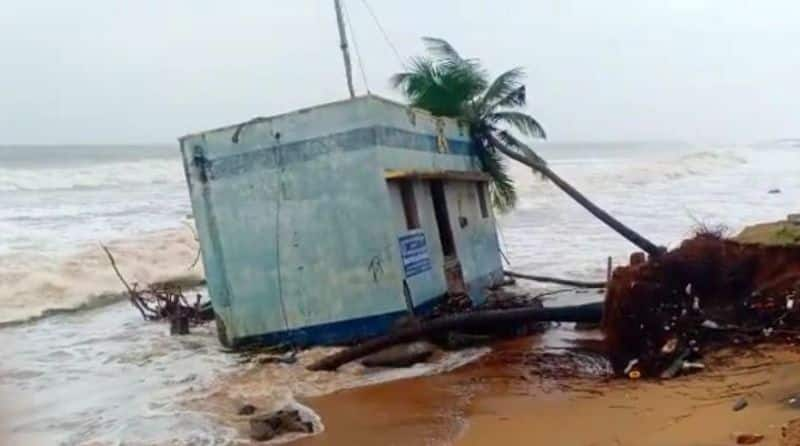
{"x":447,"y":84}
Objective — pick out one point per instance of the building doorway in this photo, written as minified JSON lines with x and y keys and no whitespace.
{"x":452,"y":267}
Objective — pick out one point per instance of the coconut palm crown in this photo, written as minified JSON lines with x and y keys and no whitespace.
{"x":447,"y":84}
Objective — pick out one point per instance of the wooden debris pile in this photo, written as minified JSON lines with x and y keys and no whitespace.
{"x":499,"y":298}
{"x":164,"y":301}
{"x":660,"y":315}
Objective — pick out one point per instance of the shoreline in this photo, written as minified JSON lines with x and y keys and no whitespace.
{"x":494,"y":401}
{"x":100,"y":301}
{"x":524,"y":388}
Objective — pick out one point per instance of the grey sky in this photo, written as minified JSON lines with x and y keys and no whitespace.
{"x":97,"y":71}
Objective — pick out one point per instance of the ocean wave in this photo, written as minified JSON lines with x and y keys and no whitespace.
{"x":90,"y":176}
{"x":699,"y":163}
{"x":36,"y":285}
{"x":633,"y":171}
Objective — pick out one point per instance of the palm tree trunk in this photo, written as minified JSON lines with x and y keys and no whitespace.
{"x":634,"y":237}
{"x":591,"y":312}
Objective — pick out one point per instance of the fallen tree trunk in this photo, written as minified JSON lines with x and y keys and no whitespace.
{"x":569,"y":282}
{"x":526,"y":156}
{"x":579,"y":313}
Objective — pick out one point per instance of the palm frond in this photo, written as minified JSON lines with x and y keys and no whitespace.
{"x":398,"y":80}
{"x":516,"y":98}
{"x":441,"y":49}
{"x":421,"y":76}
{"x":523,"y":122}
{"x":447,"y":84}
{"x":501,"y":187}
{"x":442,"y":89}
{"x":502,"y":86}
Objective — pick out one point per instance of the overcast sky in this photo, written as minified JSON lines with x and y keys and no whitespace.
{"x":113,"y":71}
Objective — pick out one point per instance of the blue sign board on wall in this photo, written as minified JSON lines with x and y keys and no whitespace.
{"x":414,"y":252}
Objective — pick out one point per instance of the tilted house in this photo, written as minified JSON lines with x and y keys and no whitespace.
{"x":326,"y":224}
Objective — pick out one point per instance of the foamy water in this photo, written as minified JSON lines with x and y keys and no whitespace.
{"x":103,"y":376}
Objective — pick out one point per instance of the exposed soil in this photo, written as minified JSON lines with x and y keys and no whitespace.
{"x":707,"y":293}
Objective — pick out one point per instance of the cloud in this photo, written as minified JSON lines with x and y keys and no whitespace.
{"x":92,"y":71}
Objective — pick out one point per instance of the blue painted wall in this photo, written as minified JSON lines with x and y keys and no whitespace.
{"x":299,"y":227}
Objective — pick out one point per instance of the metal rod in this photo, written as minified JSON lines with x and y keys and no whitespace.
{"x":343,"y":45}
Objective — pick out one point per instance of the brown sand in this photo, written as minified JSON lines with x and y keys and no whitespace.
{"x":500,"y":402}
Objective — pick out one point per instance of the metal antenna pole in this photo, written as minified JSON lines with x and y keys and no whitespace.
{"x":343,"y":45}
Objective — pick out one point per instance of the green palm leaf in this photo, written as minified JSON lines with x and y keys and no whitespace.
{"x":447,"y":84}
{"x":521,"y":121}
{"x":504,"y":85}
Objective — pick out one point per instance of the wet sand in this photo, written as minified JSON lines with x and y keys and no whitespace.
{"x":505,"y":399}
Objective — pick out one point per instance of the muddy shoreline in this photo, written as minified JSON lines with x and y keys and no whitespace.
{"x":503,"y":399}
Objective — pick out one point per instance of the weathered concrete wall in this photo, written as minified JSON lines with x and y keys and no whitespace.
{"x":295,"y":217}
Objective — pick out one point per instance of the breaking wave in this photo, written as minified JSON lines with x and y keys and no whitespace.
{"x":693,"y":164}
{"x":592,"y":173}
{"x":36,"y":285}
{"x":87,"y":176}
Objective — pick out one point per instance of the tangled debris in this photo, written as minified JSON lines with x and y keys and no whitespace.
{"x":161,"y":301}
{"x":662,"y":314}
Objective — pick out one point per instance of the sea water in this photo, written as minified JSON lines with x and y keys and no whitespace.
{"x":101,"y":375}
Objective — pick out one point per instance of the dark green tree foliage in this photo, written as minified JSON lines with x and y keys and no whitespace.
{"x":447,"y":84}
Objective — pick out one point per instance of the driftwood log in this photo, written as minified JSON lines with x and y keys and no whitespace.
{"x":578,"y":313}
{"x":568,"y":282}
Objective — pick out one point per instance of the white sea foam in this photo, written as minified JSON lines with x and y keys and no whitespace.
{"x":38,"y":283}
{"x":124,"y":173}
{"x":35,"y":284}
{"x":692,"y":164}
{"x":274,"y":386}
{"x":641,"y":170}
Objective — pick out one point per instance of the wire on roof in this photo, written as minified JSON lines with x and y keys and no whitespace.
{"x":383,"y":31}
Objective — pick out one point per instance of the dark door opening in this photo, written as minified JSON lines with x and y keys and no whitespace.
{"x":442,"y":218}
{"x":452,"y":268}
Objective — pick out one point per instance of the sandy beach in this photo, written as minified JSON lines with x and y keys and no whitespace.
{"x":499,"y":402}
{"x":521,"y":393}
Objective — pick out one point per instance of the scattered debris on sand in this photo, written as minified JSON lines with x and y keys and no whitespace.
{"x":746,"y":438}
{"x":265,"y":427}
{"x":790,"y":433}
